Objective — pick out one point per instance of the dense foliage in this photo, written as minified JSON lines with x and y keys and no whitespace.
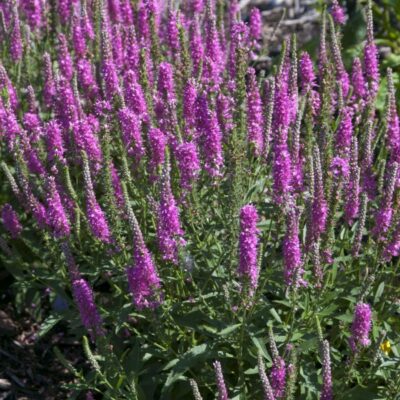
{"x":204,"y":229}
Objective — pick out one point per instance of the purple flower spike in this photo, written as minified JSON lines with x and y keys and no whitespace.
{"x":169,"y":231}
{"x":64,"y":58}
{"x":116,"y":183}
{"x":222,"y":391}
{"x":357,"y":79}
{"x":189,"y":103}
{"x":131,"y":133}
{"x":86,"y":78}
{"x":248,"y":243}
{"x":110,"y":77}
{"x":33,"y":12}
{"x":134,"y":96}
{"x":327,"y":391}
{"x":172,"y":32}
{"x":344,"y":132}
{"x":84,"y":299}
{"x":188,"y":164}
{"x":16,"y":41}
{"x":11,"y":221}
{"x":143,"y":280}
{"x":210,"y":139}
{"x":196,"y":46}
{"x":165,"y":84}
{"x":95,"y":215}
{"x":64,"y":10}
{"x":49,"y":89}
{"x":319,"y":211}
{"x":307,"y":74}
{"x":255,"y":120}
{"x":371,"y":63}
{"x":255,"y":24}
{"x":338,"y":13}
{"x":292,"y":252}
{"x":158,"y":142}
{"x":78,"y":38}
{"x":56,"y":216}
{"x":278,"y":377}
{"x":361,"y":326}
{"x":97,"y":220}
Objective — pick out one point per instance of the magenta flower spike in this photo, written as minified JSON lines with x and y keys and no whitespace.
{"x":56,"y":216}
{"x":172,"y":32}
{"x":157,"y":141}
{"x":144,"y":283}
{"x":132,"y":51}
{"x":392,"y":121}
{"x":384,"y":215}
{"x":239,"y":39}
{"x":87,"y":25}
{"x":213,"y":60}
{"x":307,"y":74}
{"x":84,"y":298}
{"x":292,"y":251}
{"x":64,"y":58}
{"x":34,"y":12}
{"x":361,"y":326}
{"x":196,"y":46}
{"x":169,"y":231}
{"x":352,"y":204}
{"x":131,"y":134}
{"x":165,"y":85}
{"x":188,"y":164}
{"x":114,"y":8}
{"x":248,"y":243}
{"x":126,"y":12}
{"x":197,"y":6}
{"x":189,"y":104}
{"x":319,"y":211}
{"x":255,"y":24}
{"x":117,"y":46}
{"x":278,"y":377}
{"x":392,"y":249}
{"x":95,"y":215}
{"x":222,"y":390}
{"x":64,"y":10}
{"x":255,"y":119}
{"x":210,"y":137}
{"x":49,"y":88}
{"x":358,"y":80}
{"x":10,"y":221}
{"x":78,"y":38}
{"x":338,"y":13}
{"x":116,"y":183}
{"x":5,"y":83}
{"x":327,"y":390}
{"x":282,"y":165}
{"x":344,"y":132}
{"x":134,"y":96}
{"x":371,"y":62}
{"x":16,"y":40}
{"x":86,"y":78}
{"x":225,"y":114}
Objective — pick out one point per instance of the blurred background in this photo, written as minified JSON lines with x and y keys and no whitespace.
{"x":302,"y":17}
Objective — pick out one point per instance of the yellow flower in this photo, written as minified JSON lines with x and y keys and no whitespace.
{"x":385,"y":347}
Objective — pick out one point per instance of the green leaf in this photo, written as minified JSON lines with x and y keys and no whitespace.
{"x":195,"y":356}
{"x":229,"y":329}
{"x":275,"y":315}
{"x":379,"y":292}
{"x":48,"y":324}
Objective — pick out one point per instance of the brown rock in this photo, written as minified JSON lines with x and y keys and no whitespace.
{"x":7,"y":325}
